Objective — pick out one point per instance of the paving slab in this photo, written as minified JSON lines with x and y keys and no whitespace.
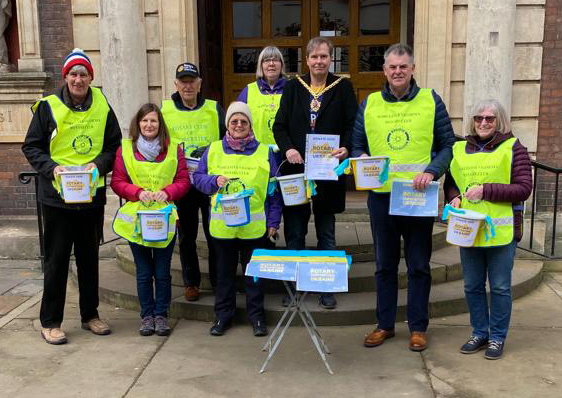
{"x":29,"y":287}
{"x":8,"y":303}
{"x":529,"y":367}
{"x":92,"y":366}
{"x":200,"y":365}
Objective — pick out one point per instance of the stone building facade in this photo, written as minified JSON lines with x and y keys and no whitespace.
{"x":465,"y":49}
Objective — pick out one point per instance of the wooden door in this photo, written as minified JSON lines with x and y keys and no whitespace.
{"x":361,"y":31}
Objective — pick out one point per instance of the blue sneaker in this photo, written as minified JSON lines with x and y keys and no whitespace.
{"x":494,"y":350}
{"x":474,"y":344}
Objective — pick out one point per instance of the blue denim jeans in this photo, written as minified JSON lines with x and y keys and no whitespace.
{"x":154,"y":282}
{"x":496,"y":264}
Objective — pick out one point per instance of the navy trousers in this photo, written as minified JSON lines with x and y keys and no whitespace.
{"x":417,"y":235}
{"x":228,"y":252}
{"x":188,"y":213}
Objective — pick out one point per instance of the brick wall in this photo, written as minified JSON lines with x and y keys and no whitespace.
{"x":549,"y":142}
{"x":55,"y":20}
{"x":15,"y":198}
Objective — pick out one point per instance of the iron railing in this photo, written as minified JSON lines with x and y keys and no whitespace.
{"x":556,"y":172}
{"x":25,"y":177}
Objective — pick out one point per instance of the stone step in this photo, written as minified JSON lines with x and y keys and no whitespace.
{"x":354,"y":238}
{"x":119,"y":288}
{"x":445,"y":267}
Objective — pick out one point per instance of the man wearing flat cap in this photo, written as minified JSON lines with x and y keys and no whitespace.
{"x":73,"y":127}
{"x":193,"y":122}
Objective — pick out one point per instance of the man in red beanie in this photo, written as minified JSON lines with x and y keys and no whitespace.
{"x":75,"y":126}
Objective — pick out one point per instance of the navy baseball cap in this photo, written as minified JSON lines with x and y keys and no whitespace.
{"x":187,"y":69}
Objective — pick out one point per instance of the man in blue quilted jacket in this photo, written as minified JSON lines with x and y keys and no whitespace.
{"x":410,"y":125}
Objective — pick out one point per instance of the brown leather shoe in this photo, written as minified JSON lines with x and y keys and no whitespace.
{"x":377,"y":337}
{"x":191,"y":293}
{"x":97,"y":326}
{"x":418,"y":341}
{"x":54,"y":336}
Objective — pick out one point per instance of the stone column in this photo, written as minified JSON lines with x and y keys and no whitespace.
{"x":123,"y":57}
{"x":179,"y":38}
{"x":432,"y":45}
{"x":28,"y":28}
{"x":490,"y":41}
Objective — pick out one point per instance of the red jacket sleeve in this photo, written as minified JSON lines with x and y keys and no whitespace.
{"x":177,"y":189}
{"x":120,"y":181}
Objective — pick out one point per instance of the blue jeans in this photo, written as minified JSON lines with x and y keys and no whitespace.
{"x":153,"y":274}
{"x":417,"y":234}
{"x":495,"y":263}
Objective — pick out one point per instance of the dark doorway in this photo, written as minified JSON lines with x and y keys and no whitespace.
{"x":210,"y":48}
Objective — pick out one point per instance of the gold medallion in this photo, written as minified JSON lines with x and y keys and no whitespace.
{"x":315,"y":105}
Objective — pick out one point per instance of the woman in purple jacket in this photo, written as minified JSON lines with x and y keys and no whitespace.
{"x":239,"y":159}
{"x":491,"y":173}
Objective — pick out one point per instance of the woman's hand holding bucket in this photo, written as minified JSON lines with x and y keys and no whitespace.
{"x":221,"y":180}
{"x":475,"y":193}
{"x":147,"y":196}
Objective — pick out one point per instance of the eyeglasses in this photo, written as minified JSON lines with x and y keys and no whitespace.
{"x":235,"y":122}
{"x":488,"y":119}
{"x":271,"y":61}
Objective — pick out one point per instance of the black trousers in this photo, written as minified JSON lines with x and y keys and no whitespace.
{"x":65,"y":228}
{"x":228,"y":253}
{"x":188,"y":212}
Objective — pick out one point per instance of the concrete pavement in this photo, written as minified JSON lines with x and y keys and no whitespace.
{"x":191,"y":363}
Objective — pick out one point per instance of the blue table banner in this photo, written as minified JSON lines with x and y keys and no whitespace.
{"x":406,"y":201}
{"x":273,"y":269}
{"x":322,"y":277}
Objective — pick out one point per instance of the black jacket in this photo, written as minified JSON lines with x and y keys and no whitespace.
{"x":36,"y":150}
{"x":335,"y":116}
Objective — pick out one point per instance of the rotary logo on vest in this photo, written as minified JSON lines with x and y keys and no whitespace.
{"x":82,"y":144}
{"x":398,"y":139}
{"x":470,"y":185}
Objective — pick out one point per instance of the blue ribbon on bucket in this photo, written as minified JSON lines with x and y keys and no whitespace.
{"x":489,"y":224}
{"x":242,"y":194}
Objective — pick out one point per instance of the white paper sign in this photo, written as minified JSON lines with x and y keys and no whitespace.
{"x":318,"y":163}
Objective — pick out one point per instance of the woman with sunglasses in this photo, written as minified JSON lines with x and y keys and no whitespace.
{"x":491,"y":174}
{"x":150,"y":172}
{"x":241,"y":162}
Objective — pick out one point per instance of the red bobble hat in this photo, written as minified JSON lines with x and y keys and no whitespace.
{"x":77,"y":57}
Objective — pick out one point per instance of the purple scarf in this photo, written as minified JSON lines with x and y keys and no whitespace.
{"x":239,"y":144}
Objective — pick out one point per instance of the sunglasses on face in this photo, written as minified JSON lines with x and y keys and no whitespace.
{"x":488,"y":119}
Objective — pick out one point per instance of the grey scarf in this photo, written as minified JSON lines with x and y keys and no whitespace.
{"x":148,"y":149}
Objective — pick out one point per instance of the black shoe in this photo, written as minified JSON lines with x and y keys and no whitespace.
{"x":259,"y":329}
{"x":219,"y":327}
{"x":287,"y":300}
{"x":494,"y":350}
{"x":474,"y":344}
{"x":327,"y":301}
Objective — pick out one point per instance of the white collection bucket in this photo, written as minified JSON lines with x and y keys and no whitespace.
{"x":235,"y":210}
{"x":192,"y":165}
{"x":293,"y":189}
{"x":154,"y":225}
{"x":75,"y":186}
{"x":464,"y":227}
{"x":367,"y":171}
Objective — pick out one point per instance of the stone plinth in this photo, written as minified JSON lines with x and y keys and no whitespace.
{"x":18,"y":91}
